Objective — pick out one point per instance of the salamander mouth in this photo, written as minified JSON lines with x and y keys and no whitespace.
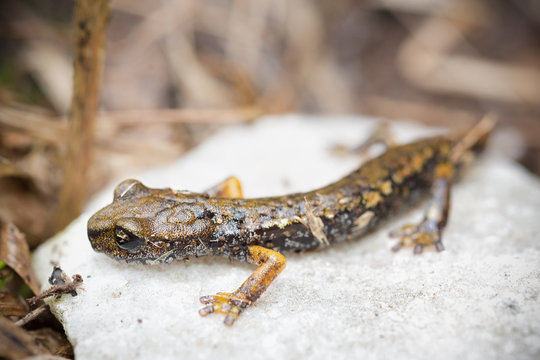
{"x":100,"y":242}
{"x":93,"y":235}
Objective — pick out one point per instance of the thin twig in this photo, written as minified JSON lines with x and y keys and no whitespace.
{"x":32,"y":315}
{"x":91,"y":17}
{"x":59,"y":290}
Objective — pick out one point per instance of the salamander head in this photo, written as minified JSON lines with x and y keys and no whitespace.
{"x":150,"y":225}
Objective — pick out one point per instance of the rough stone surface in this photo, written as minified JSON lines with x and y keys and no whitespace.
{"x":479,"y":299}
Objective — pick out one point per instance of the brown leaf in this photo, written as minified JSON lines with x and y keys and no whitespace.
{"x":53,"y":341}
{"x":10,"y":305}
{"x":15,"y":253}
{"x":16,"y":342}
{"x":26,"y":208}
{"x":8,"y":168}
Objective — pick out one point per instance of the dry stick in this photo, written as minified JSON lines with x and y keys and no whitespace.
{"x":91,"y":17}
{"x":176,"y":116}
{"x":32,"y":315}
{"x":37,"y":126}
{"x":68,"y":287}
{"x":52,"y":129}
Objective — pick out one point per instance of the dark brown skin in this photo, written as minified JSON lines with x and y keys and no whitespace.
{"x":145,"y":224}
{"x":160,"y":225}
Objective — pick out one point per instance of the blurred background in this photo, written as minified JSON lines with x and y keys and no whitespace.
{"x":175,"y":71}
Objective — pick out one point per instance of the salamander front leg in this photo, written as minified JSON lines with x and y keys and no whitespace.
{"x":228,"y":188}
{"x":428,"y":232}
{"x":270,"y":263}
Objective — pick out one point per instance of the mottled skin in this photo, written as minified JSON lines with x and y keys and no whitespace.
{"x":164,"y":224}
{"x":160,"y":225}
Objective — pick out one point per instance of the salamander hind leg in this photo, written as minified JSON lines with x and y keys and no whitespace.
{"x":270,"y":263}
{"x":380,"y":135}
{"x":428,"y":231}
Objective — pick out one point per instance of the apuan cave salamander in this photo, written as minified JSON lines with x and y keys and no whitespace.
{"x":160,"y":225}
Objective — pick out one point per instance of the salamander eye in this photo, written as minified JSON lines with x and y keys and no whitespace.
{"x":127,"y":241}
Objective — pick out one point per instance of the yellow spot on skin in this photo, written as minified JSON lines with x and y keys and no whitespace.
{"x":406,"y":171}
{"x":417,"y":162}
{"x":402,"y":172}
{"x":445,"y":149}
{"x":428,"y":153}
{"x":283,"y":223}
{"x":444,"y":170}
{"x":386,"y":187}
{"x":371,"y":198}
{"x":328,"y":213}
{"x":268,"y":224}
{"x":280,"y":223}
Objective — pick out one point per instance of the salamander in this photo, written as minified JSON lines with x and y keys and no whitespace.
{"x":160,"y":225}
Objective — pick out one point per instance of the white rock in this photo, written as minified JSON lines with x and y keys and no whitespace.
{"x":478,"y":299}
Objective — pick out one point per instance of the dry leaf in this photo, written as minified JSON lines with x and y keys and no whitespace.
{"x":10,"y":305}
{"x":15,"y":253}
{"x":53,"y":341}
{"x":16,"y":342}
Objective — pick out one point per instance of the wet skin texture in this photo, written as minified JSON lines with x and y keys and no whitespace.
{"x":145,"y":225}
{"x":160,"y":225}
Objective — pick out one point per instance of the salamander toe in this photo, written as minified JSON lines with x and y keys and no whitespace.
{"x":225,"y":303}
